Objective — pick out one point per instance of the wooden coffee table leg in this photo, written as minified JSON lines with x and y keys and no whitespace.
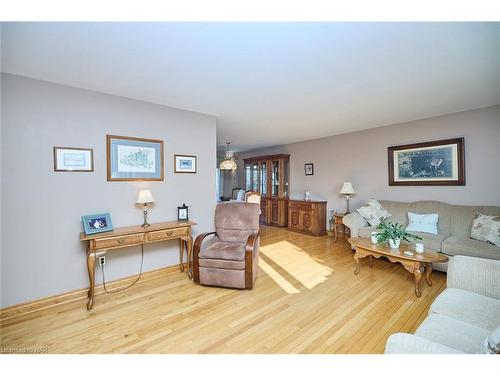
{"x":418,"y":277}
{"x":428,"y":272}
{"x":371,"y":261}
{"x":356,"y":259}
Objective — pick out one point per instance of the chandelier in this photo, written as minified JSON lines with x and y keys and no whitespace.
{"x":228,"y":164}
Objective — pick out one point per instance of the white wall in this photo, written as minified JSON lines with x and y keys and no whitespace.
{"x":40,"y":250}
{"x":361,"y":157}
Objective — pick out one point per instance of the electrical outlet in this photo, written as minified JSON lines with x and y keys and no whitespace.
{"x":102,"y":260}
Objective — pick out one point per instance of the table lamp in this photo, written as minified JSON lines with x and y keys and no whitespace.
{"x":347,"y":190}
{"x":145,"y":197}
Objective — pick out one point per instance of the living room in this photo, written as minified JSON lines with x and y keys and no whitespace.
{"x":250,"y":188}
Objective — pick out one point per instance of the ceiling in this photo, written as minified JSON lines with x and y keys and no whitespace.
{"x":271,"y":83}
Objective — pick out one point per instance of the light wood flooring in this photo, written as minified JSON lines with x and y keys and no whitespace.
{"x":306,"y":300}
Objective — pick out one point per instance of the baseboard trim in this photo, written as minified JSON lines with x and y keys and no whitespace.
{"x":25,"y":308}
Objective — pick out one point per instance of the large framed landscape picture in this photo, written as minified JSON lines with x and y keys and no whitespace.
{"x":134,"y":159}
{"x":434,"y":163}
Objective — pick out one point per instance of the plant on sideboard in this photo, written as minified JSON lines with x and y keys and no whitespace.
{"x":393,"y":233}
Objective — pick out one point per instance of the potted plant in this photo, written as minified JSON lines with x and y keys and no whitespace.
{"x":393,"y":233}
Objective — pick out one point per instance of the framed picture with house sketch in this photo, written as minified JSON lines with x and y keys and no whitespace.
{"x":435,"y":163}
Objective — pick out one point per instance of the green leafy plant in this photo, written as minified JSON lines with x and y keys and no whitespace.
{"x":393,"y":231}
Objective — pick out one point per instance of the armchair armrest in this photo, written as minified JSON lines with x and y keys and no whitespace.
{"x":251,"y":256}
{"x":354,"y":221}
{"x":196,"y":253}
{"x":404,"y":343}
{"x":476,"y":275}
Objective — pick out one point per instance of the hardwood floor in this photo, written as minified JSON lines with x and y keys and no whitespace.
{"x":306,"y":300}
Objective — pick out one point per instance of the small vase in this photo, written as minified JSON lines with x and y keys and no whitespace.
{"x":394,"y":244}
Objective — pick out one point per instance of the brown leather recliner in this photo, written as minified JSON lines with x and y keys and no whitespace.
{"x":230,"y":257}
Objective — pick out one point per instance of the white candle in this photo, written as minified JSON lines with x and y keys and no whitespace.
{"x":374,"y":238}
{"x":419,"y":248}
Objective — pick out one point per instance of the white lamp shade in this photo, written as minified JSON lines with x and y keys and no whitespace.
{"x":145,"y":196}
{"x":347,"y":189}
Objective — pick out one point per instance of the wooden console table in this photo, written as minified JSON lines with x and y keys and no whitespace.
{"x":120,"y":238}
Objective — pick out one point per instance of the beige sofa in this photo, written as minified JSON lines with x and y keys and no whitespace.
{"x":454,"y":227}
{"x":463,"y":317}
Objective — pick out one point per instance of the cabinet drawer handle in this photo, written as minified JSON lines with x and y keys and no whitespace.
{"x":120,"y":240}
{"x":168,"y":234}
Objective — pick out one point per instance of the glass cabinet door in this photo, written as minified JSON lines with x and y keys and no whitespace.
{"x":248,"y":177}
{"x":255,"y":177}
{"x":263,"y":178}
{"x":275,"y":178}
{"x":287,"y":173}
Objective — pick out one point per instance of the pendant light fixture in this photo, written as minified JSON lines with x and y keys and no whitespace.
{"x":228,"y":164}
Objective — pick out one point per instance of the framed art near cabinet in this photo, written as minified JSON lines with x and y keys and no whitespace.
{"x":134,"y":159}
{"x":184,"y":164}
{"x":72,"y":159}
{"x":309,"y":169}
{"x":428,"y":163}
{"x":97,"y":223}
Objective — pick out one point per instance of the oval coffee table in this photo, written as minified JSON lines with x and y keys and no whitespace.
{"x":414,"y":264}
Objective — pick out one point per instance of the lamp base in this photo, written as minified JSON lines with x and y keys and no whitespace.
{"x":145,"y":225}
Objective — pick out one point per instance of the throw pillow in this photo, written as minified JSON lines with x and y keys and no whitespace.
{"x":373,"y":213}
{"x":492,"y":342}
{"x":426,"y":223}
{"x":486,"y":228}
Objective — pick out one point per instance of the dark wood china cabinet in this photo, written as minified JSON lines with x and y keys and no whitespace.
{"x":268,"y":175}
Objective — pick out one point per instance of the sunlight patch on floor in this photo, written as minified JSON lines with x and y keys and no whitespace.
{"x":298,"y":263}
{"x":278,"y":279}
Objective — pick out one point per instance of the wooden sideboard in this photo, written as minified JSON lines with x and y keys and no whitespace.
{"x":308,"y":217}
{"x":119,"y":238}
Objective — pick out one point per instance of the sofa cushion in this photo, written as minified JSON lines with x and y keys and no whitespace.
{"x":235,"y":221}
{"x":398,"y":211}
{"x":453,"y":333}
{"x":462,"y":217}
{"x":471,"y":308}
{"x":425,"y":223}
{"x":224,"y":250}
{"x":464,"y":246}
{"x":221,"y":263}
{"x":366,"y":232}
{"x":374,"y":214}
{"x":431,"y":241}
{"x":434,"y":207}
{"x":486,"y":228}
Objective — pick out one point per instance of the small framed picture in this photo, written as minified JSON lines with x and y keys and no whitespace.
{"x":72,"y":159}
{"x":134,"y":159}
{"x":309,"y":169}
{"x":182,"y":212}
{"x":97,"y":223}
{"x":184,"y":164}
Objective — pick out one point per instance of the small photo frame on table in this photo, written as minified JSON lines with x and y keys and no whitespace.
{"x":183,"y":213}
{"x":134,"y":159}
{"x":97,"y":223}
{"x":184,"y":164}
{"x":309,"y":169}
{"x":436,"y":163}
{"x":72,"y":159}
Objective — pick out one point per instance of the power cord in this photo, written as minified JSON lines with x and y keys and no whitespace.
{"x":122,"y":289}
